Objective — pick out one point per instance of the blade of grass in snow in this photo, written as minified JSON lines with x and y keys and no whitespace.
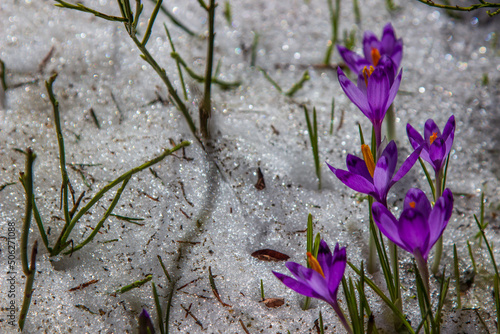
{"x":457,"y":276}
{"x":134,"y":285}
{"x":313,"y":137}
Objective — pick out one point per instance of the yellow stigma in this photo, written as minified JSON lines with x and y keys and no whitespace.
{"x":367,"y":72}
{"x":367,"y":155}
{"x":314,"y":264}
{"x":412,"y":205}
{"x":375,"y":56}
{"x":433,"y":137}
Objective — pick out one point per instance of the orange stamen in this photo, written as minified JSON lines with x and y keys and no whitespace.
{"x":367,"y":72}
{"x":367,"y":155}
{"x":412,"y":205}
{"x":433,"y":137}
{"x":314,"y":264}
{"x":375,"y":56}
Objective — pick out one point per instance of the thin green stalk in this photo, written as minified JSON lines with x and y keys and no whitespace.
{"x":108,"y":187}
{"x":457,"y":276}
{"x":26,"y":179}
{"x":313,"y":137}
{"x":169,"y":304}
{"x":298,"y":85}
{"x":481,"y":229}
{"x":332,"y":115}
{"x":159,"y":311}
{"x":428,"y":177}
{"x":3,"y":82}
{"x":372,"y":266}
{"x":223,"y":84}
{"x":134,"y":285}
{"x":386,"y":299}
{"x":60,"y":142}
{"x":181,"y":77}
{"x":205,"y":108}
{"x":152,"y":19}
{"x":496,"y":291}
{"x":334,"y":21}
{"x":483,"y":4}
{"x":103,"y":219}
{"x":82,"y":8}
{"x":471,"y":255}
{"x":271,"y":80}
{"x":357,"y":12}
{"x":390,"y":122}
{"x":438,"y":247}
{"x":262,"y":295}
{"x":393,"y":250}
{"x":227,"y":12}
{"x":175,"y":20}
{"x":28,"y":288}
{"x":255,"y":42}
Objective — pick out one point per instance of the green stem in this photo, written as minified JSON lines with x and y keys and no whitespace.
{"x":28,"y":288}
{"x":62,"y":243}
{"x":60,"y":142}
{"x":103,"y":219}
{"x":393,"y":250}
{"x":205,"y":109}
{"x":438,"y":248}
{"x":27,"y":181}
{"x":390,"y":122}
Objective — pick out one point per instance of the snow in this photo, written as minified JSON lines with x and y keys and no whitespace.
{"x":200,"y":213}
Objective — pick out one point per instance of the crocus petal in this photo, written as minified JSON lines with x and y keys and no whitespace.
{"x":391,"y":153}
{"x":449,"y":134}
{"x":361,"y":83}
{"x":419,"y":202}
{"x":407,"y":165}
{"x":377,"y":93}
{"x":299,"y":287}
{"x":337,"y":269}
{"x":353,"y":93}
{"x":370,"y":41}
{"x":388,"y":40}
{"x":355,"y":62}
{"x":387,"y":223}
{"x":414,"y":231}
{"x":324,"y":257}
{"x":381,"y":179}
{"x":414,"y":137}
{"x":440,"y":215}
{"x":397,"y":53}
{"x":437,"y":153}
{"x":394,"y":90}
{"x":357,"y":165}
{"x":429,"y":129}
{"x":356,"y":182}
{"x":390,"y":68}
{"x":145,"y":323}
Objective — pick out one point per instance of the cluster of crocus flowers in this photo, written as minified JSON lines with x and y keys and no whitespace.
{"x":374,"y":49}
{"x":375,"y":179}
{"x":322,"y":280}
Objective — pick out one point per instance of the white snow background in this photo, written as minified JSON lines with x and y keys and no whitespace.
{"x":444,"y":62}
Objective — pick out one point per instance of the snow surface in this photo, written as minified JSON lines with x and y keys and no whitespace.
{"x":210,"y":214}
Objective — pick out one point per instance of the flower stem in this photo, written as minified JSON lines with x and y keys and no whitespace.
{"x":393,"y":249}
{"x":342,"y":318}
{"x":390,"y":122}
{"x":423,"y":270}
{"x":438,"y":248}
{"x":372,"y":266}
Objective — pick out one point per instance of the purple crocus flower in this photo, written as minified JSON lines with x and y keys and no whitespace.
{"x":374,"y":49}
{"x":436,"y":145}
{"x":322,"y":280}
{"x":419,"y":227}
{"x":366,"y":177}
{"x":375,"y":91}
{"x":145,"y":323}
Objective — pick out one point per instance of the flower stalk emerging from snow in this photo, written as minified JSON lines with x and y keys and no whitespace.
{"x":373,"y":179}
{"x":418,"y":228}
{"x":375,"y":91}
{"x":436,"y":147}
{"x":322,"y":280}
